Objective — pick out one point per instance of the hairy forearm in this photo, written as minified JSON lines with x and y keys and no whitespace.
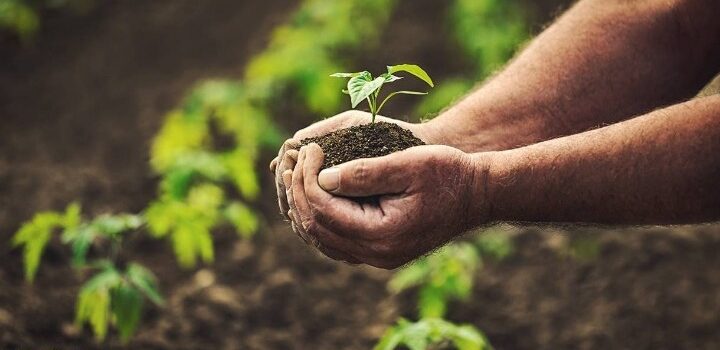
{"x":603,"y":61}
{"x":660,"y":168}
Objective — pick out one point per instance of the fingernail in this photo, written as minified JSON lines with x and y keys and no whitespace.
{"x":329,"y":179}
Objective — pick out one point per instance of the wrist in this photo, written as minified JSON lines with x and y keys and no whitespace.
{"x":481,"y":202}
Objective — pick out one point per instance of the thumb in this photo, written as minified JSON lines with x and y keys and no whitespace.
{"x":366,"y":177}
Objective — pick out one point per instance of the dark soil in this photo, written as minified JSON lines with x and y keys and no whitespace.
{"x":363,"y":141}
{"x":78,"y":110}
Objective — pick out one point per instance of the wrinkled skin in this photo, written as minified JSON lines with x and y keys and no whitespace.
{"x":404,"y":222}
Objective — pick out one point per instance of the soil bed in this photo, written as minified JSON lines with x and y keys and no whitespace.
{"x":363,"y":141}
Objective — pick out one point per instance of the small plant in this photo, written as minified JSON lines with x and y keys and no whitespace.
{"x":441,"y":277}
{"x":445,"y":275}
{"x":362,"y":86}
{"x":114,"y":295}
{"x":432,"y":333}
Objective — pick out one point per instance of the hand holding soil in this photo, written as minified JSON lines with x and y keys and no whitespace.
{"x":284,"y":163}
{"x":384,"y":211}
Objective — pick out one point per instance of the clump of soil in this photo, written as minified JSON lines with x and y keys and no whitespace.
{"x":363,"y":141}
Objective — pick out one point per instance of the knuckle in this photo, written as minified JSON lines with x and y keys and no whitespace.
{"x":310,"y":226}
{"x":360,"y":172}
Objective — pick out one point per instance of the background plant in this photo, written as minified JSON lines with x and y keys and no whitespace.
{"x":489,"y":32}
{"x":207,"y":151}
{"x":204,"y":185}
{"x":115,"y":294}
{"x":22,"y":17}
{"x":440,"y":278}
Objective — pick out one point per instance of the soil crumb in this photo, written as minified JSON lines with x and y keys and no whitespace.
{"x":363,"y":141}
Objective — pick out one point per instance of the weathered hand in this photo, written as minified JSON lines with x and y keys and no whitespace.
{"x":284,"y":163}
{"x":388,"y":210}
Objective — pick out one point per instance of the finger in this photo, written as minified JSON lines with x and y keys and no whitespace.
{"x":292,"y":156}
{"x":273,"y":165}
{"x":343,"y":216}
{"x":302,"y":208}
{"x":342,"y":248}
{"x":297,"y":228}
{"x":367,"y":177}
{"x":353,"y":252}
{"x":336,"y":255}
{"x":287,"y":181}
{"x":285,"y":161}
{"x":282,"y":164}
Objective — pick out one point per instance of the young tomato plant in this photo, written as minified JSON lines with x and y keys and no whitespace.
{"x":443,"y":276}
{"x":432,"y":333}
{"x":114,"y":295}
{"x":362,"y":86}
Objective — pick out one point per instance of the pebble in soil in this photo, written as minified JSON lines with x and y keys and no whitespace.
{"x":363,"y":141}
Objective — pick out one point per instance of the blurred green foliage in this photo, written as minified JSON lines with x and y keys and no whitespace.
{"x":300,"y":57}
{"x":584,"y":248}
{"x":22,"y":16}
{"x":444,"y":275}
{"x":494,"y":243}
{"x":35,"y":234}
{"x":109,"y":297}
{"x":115,"y":297}
{"x":205,"y":182}
{"x":448,"y":273}
{"x":432,"y":333}
{"x":489,"y":32}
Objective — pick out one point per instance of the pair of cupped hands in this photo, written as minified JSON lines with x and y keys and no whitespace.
{"x":422,"y":197}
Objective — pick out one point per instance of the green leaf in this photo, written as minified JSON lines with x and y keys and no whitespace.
{"x":355,"y":87}
{"x":345,"y":75}
{"x":430,"y":332}
{"x":93,"y":304}
{"x":126,"y":306}
{"x":72,"y":218}
{"x":112,"y":225}
{"x":432,"y":302}
{"x":445,"y":275}
{"x":412,"y":69}
{"x":34,"y":235}
{"x":145,"y":281}
{"x":495,"y":244}
{"x":242,"y":218}
{"x":390,"y":339}
{"x":389,"y":78}
{"x":241,"y":170}
{"x":93,"y":307}
{"x":107,"y":278}
{"x":404,"y":92}
{"x":409,"y":276}
{"x":81,"y":241}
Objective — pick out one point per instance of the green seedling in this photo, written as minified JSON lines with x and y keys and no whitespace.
{"x":441,"y":277}
{"x":112,"y":296}
{"x":432,"y":333}
{"x":362,"y":85}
